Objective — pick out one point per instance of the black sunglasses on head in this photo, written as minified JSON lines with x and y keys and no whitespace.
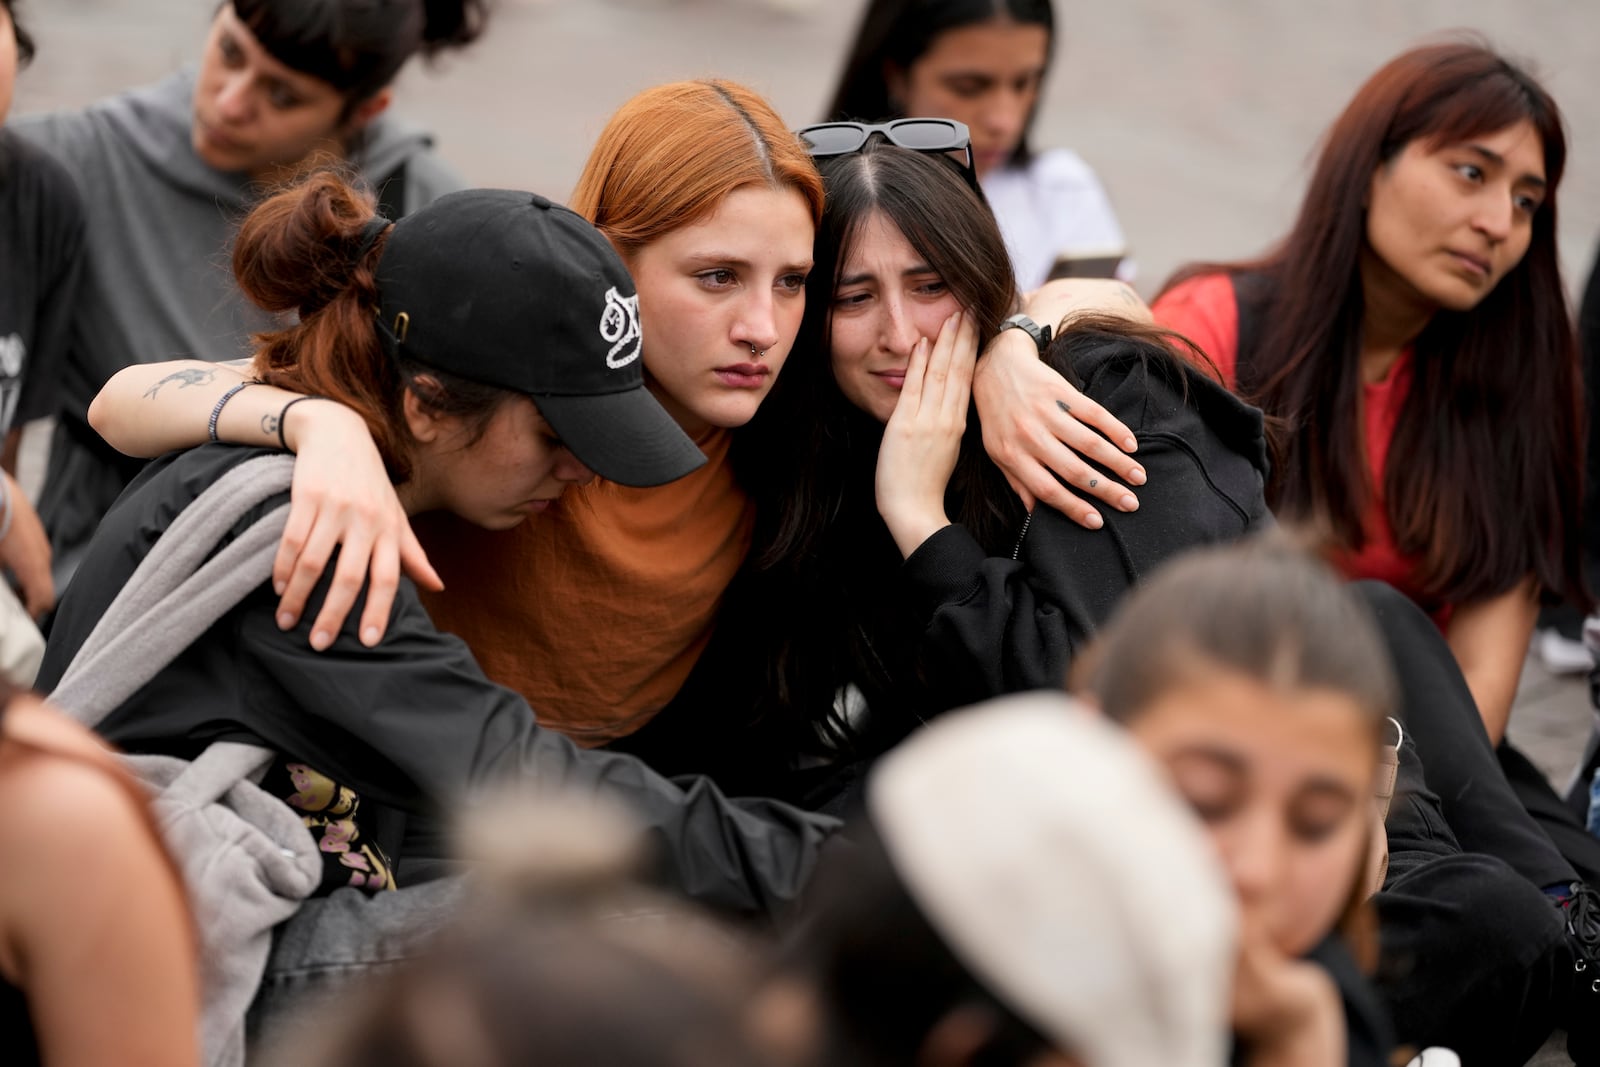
{"x":939,"y":136}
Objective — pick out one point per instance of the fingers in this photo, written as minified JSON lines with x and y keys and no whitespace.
{"x":940,"y":359}
{"x":963,"y":358}
{"x":348,"y":577}
{"x":910,"y":401}
{"x":290,"y":545}
{"x":1081,"y":409}
{"x":1062,"y":428}
{"x":306,"y":572}
{"x":414,"y":561}
{"x":946,"y":386}
{"x":1049,"y":492}
{"x":346,"y":584}
{"x":384,"y":575}
{"x":1069,"y":465}
{"x":1022,"y":491}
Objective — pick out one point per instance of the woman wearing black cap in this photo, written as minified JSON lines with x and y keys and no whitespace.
{"x":490,"y":378}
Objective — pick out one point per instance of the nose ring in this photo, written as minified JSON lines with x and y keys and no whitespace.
{"x":757,"y":352}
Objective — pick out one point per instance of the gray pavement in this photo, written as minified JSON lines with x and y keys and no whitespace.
{"x":1199,"y":116}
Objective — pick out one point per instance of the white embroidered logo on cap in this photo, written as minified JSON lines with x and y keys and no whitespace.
{"x":619,"y":327}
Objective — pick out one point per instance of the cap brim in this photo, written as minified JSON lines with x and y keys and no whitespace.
{"x":625,"y":437}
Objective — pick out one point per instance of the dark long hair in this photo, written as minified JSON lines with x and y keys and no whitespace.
{"x":809,"y":455}
{"x":1490,"y":487}
{"x":897,"y":33}
{"x":302,"y":250}
{"x":358,"y":46}
{"x":24,"y":39}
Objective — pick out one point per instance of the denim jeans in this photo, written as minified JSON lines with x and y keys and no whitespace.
{"x":336,"y":941}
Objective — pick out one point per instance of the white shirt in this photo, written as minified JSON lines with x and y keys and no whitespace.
{"x":1052,"y":206}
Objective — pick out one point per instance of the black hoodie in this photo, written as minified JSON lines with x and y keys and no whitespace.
{"x":410,"y":725}
{"x":998,"y":624}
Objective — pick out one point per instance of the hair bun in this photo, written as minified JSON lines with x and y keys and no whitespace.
{"x":451,"y":23}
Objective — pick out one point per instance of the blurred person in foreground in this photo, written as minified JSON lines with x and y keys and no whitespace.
{"x":97,"y":950}
{"x":1008,"y":902}
{"x":560,"y":957}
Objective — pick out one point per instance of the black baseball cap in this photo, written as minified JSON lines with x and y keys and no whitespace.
{"x":509,"y":289}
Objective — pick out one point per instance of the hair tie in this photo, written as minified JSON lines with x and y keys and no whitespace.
{"x":369,"y":233}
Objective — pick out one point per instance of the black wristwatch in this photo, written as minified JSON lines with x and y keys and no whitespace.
{"x":1040,"y":334}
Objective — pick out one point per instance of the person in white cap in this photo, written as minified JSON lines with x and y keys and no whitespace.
{"x":1011,"y":902}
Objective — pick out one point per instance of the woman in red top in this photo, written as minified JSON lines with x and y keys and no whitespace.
{"x":1415,"y":312}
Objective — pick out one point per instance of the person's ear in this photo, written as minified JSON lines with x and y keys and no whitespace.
{"x":957,"y":1038}
{"x":1089,"y":700}
{"x":425,"y":426}
{"x":369,"y":109}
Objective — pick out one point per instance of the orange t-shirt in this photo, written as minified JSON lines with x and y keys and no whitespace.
{"x":596,"y":610}
{"x":1204,"y":310}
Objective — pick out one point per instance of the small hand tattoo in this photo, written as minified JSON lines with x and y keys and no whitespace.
{"x":269,"y":424}
{"x":184,"y":378}
{"x":1093,"y":482}
{"x":1064,"y":406}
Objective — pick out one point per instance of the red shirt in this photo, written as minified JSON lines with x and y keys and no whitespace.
{"x":1204,"y":310}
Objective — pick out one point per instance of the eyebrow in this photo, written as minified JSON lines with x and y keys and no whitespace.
{"x":1327,"y":787}
{"x":725,"y":259}
{"x":296,"y":81}
{"x":909,"y":272}
{"x":1498,"y":160}
{"x":728,"y":259}
{"x":1230,"y":761}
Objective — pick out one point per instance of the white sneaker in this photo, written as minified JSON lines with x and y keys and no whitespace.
{"x":1562,"y":655}
{"x":1436,"y":1057}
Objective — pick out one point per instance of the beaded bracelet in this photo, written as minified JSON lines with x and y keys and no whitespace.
{"x":216,"y":412}
{"x":283,"y":418}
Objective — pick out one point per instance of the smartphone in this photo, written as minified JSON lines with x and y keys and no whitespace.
{"x":1087,"y":264}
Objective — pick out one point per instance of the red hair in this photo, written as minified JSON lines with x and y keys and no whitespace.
{"x":672,"y":154}
{"x":297,"y":251}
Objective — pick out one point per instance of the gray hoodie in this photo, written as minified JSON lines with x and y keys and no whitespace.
{"x":157,"y":284}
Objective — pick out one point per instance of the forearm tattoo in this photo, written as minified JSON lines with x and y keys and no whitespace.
{"x":185,"y":378}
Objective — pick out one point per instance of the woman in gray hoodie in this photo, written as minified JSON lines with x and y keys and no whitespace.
{"x":166,"y":171}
